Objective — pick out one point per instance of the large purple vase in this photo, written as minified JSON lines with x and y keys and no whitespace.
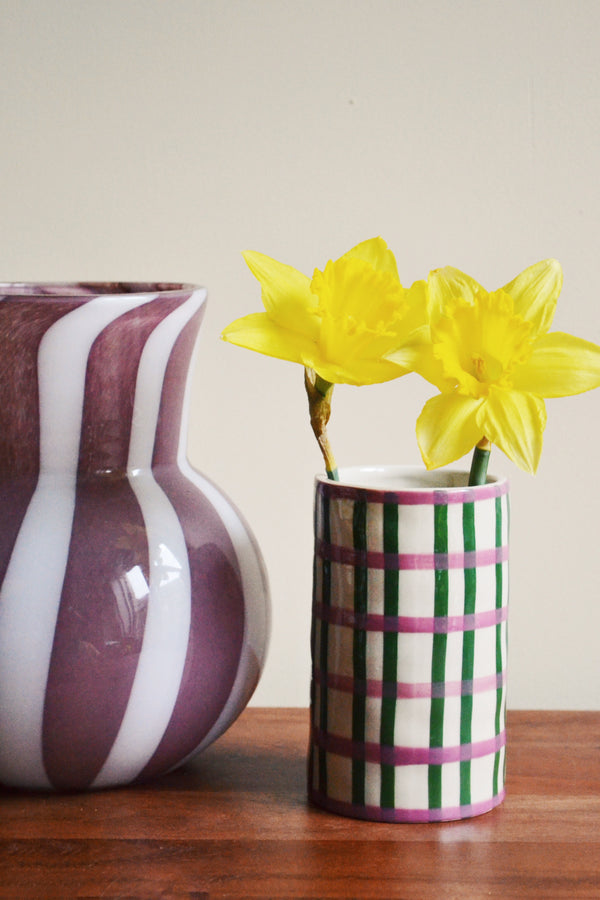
{"x":133,"y":598}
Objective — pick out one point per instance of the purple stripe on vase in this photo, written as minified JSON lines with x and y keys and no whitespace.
{"x":169,"y":616}
{"x":169,"y":432}
{"x":98,"y":633}
{"x":85,"y":701}
{"x":110,"y":385}
{"x":212,"y":658}
{"x":216,"y":587}
{"x":23,"y":324}
{"x":217,"y":616}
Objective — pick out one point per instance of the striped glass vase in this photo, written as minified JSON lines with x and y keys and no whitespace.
{"x":133,"y":600}
{"x":408,"y":645}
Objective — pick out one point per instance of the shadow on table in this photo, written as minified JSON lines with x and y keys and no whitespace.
{"x":271,"y":772}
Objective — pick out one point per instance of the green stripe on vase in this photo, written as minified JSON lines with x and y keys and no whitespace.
{"x":438,"y":656}
{"x":359,"y":650}
{"x":390,"y":652}
{"x":468,"y":654}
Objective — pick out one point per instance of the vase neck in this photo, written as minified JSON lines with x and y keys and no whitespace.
{"x":94,"y":384}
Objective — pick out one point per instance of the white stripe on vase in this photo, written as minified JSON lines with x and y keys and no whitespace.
{"x":31,"y":592}
{"x":166,"y":633}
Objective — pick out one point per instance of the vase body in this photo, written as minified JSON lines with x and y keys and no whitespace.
{"x":409,"y":645}
{"x":133,"y":599}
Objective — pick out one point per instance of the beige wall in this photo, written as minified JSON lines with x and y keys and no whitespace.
{"x":156,"y":139}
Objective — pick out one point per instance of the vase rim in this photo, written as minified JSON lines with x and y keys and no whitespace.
{"x":397,"y":479}
{"x":48,"y":290}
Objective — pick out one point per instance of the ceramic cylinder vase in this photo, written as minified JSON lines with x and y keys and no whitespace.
{"x":133,"y":598}
{"x":409,"y":645}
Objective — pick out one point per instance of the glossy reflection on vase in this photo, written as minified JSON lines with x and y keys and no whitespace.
{"x":133,"y":598}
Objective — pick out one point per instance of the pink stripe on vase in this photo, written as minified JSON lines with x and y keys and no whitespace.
{"x":406,"y":756}
{"x":375,"y":559}
{"x":336,"y":615}
{"x":373,"y":687}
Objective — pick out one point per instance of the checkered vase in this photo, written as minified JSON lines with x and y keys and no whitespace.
{"x":409,"y":645}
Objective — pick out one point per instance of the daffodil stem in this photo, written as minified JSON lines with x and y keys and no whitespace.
{"x":319,"y":394}
{"x":479,"y":464}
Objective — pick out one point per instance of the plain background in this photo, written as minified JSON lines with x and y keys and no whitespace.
{"x":146,"y":139}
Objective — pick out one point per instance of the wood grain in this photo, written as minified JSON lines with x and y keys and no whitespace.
{"x":235,"y":823}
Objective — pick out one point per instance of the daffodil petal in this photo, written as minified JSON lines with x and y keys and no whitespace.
{"x":358,"y":372}
{"x":559,"y":366}
{"x":535,"y":292}
{"x":416,"y":355}
{"x":375,"y":252}
{"x":286,"y":294}
{"x":449,"y":284}
{"x":259,"y":332}
{"x":515,"y":422}
{"x":447,"y":428}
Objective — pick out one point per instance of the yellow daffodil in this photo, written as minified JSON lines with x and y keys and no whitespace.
{"x":342,"y":323}
{"x":495,"y":361}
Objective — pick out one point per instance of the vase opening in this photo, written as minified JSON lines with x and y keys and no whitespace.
{"x":29,"y":290}
{"x":399,"y":478}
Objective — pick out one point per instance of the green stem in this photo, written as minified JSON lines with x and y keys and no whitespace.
{"x":479,"y":464}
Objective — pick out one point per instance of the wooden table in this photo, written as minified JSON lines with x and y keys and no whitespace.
{"x":235,"y":823}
